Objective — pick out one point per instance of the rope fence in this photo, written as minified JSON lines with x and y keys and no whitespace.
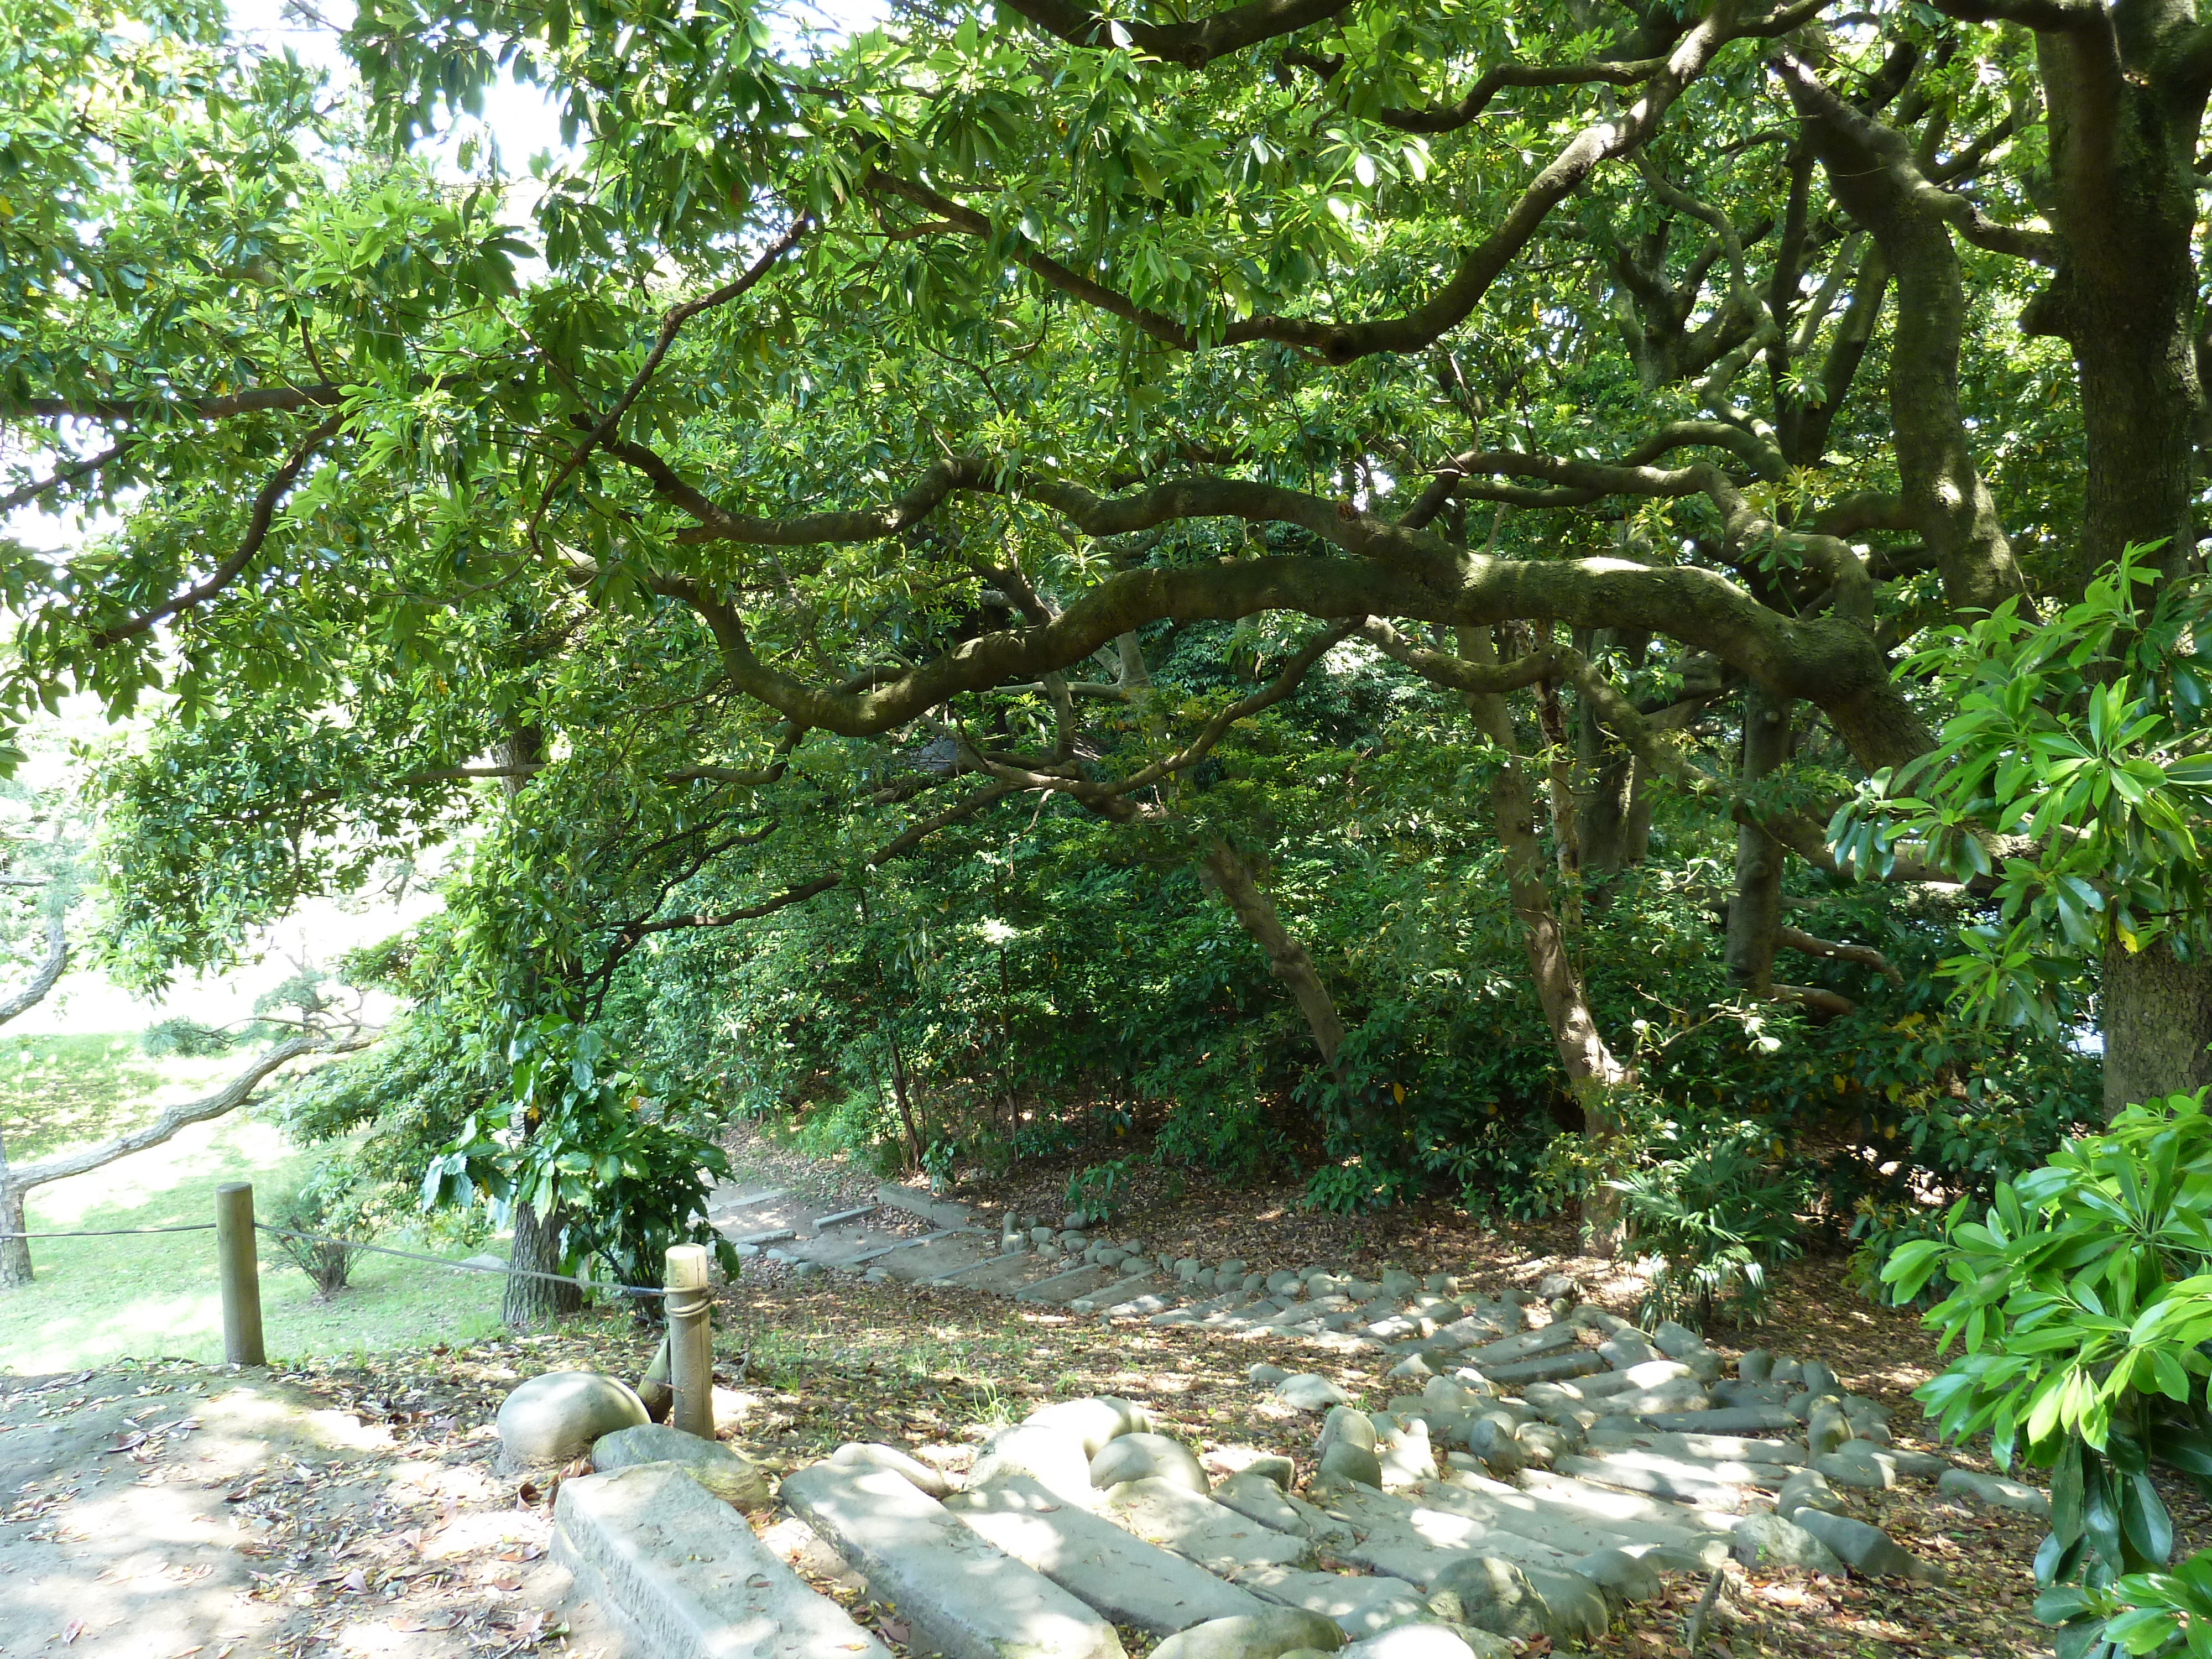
{"x":679,"y":1384}
{"x":117,"y":1232}
{"x":465,"y":1266}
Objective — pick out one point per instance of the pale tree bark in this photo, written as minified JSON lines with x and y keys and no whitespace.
{"x":1592,"y":1072}
{"x":15,"y":1251}
{"x":1256,"y":913}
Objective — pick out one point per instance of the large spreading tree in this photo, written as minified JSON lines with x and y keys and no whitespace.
{"x":1790,"y":412}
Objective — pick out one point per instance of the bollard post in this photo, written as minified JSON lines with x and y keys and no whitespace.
{"x":690,"y":1342}
{"x":237,"y":1260}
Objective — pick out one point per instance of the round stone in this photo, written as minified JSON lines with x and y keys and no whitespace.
{"x":1148,"y":1456}
{"x":1344,"y":1461}
{"x":1495,"y":1595}
{"x":1266,"y":1635}
{"x":555,"y":1418}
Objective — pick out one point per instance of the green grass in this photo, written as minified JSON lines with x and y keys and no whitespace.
{"x":94,"y":1300}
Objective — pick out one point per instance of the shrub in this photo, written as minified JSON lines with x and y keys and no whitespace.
{"x":2083,"y":1299}
{"x":1718,"y":1218}
{"x":334,"y":1204}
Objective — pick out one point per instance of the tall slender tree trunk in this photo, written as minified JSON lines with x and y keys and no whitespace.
{"x":1594,"y":1074}
{"x":1257,"y":914}
{"x":1755,"y":911}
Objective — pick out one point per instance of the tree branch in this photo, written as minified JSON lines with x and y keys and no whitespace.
{"x":671,"y":326}
{"x":62,"y":475}
{"x":1865,"y":956}
{"x":1396,"y":570}
{"x":257,"y":525}
{"x":233,"y":1095}
{"x":1188,"y":45}
{"x":50,"y":970}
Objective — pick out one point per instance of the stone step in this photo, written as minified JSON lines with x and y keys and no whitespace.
{"x":844,"y":1216}
{"x":684,"y":1572}
{"x":1719,"y":1471}
{"x":1107,"y":1567}
{"x":1005,"y":1274}
{"x":1403,"y":1538}
{"x":1729,"y":1420}
{"x":1360,"y":1604}
{"x":1569,"y":1535}
{"x":1681,"y":1488}
{"x":1105,"y":1297}
{"x":937,"y":1212}
{"x":1580,"y":1496}
{"x":1146,"y":1305}
{"x":1062,"y":1288}
{"x":1526,"y":1345}
{"x":1545,"y":1368}
{"x":1677,"y":1531}
{"x":1193,"y":1313}
{"x":1199,"y":1529}
{"x":961,"y":1594}
{"x":1706,"y":1447}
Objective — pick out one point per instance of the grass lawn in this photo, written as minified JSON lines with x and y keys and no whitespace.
{"x":96,"y":1300}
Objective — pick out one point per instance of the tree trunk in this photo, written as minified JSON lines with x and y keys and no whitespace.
{"x":1756,"y":910}
{"x":531,"y":1302}
{"x":1613,"y":819}
{"x":2123,"y":138}
{"x":1592,"y":1073}
{"x":15,"y":1253}
{"x":2157,"y":1019}
{"x":1257,"y":915}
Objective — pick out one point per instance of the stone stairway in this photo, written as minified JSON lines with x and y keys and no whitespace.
{"x":1544,"y":1465}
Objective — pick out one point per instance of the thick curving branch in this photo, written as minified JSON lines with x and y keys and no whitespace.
{"x":1188,"y":45}
{"x":1873,"y":173}
{"x":1831,"y":659}
{"x":255,"y":400}
{"x":234,"y":1094}
{"x":1466,"y":108}
{"x":61,"y":475}
{"x":671,"y":326}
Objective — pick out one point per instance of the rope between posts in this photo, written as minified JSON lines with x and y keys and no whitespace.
{"x":116,"y":1232}
{"x":463,"y":1266}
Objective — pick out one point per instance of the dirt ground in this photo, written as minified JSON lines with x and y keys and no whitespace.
{"x":170,"y":1511}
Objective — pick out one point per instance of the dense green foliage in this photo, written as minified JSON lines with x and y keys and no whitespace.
{"x":1298,"y":585}
{"x":2083,"y":1301}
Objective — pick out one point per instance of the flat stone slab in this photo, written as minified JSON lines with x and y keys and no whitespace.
{"x":1579,"y":1495}
{"x":1680,"y":1485}
{"x":962,"y":1594}
{"x":1199,"y":1529}
{"x":1727,"y":1420}
{"x":1101,"y":1564}
{"x":1712,"y":1448}
{"x":1718,"y":1472}
{"x":1610,"y":1512}
{"x":937,"y":1212}
{"x":1571,"y":1535}
{"x":1359,"y":1604}
{"x":1063,"y":1288}
{"x":1556,"y":1367}
{"x":1526,"y":1346}
{"x":685,"y":1572}
{"x":1106,"y":1295}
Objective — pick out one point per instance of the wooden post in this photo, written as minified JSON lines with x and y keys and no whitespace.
{"x":690,"y":1342}
{"x":238,"y":1260}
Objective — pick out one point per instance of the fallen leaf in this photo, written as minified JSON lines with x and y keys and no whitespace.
{"x":71,"y":1630}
